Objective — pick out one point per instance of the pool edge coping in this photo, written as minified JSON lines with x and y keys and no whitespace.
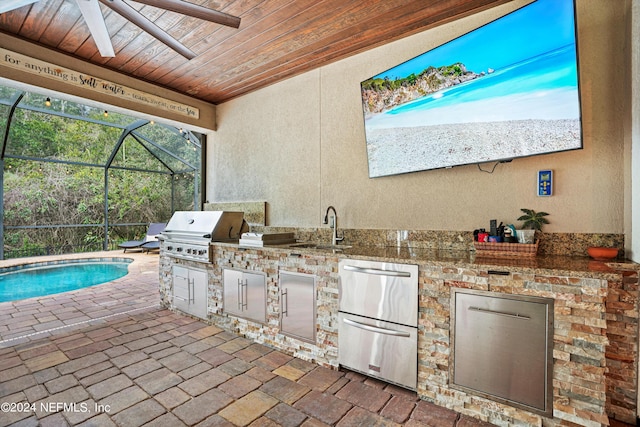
{"x":40,"y":264}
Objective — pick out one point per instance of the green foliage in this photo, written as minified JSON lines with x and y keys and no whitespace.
{"x":51,"y":193}
{"x":533,"y":220}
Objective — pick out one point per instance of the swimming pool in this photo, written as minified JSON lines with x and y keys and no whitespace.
{"x":33,"y":280}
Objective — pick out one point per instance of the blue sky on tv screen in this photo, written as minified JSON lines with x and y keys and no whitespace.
{"x":537,"y":28}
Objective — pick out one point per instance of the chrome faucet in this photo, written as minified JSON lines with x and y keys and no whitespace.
{"x":333,"y":223}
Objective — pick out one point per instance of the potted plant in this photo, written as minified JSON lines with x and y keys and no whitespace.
{"x":533,"y":221}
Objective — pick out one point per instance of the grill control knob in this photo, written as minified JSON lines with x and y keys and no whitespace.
{"x":169,"y":248}
{"x":178,"y":249}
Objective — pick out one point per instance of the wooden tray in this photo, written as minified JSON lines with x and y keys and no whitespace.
{"x":492,"y":249}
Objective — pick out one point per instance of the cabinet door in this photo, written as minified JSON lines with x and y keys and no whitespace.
{"x":255,"y":296}
{"x":231,"y":297}
{"x":199,"y":284}
{"x":503,"y":346}
{"x":298,"y":305}
{"x":245,"y":294}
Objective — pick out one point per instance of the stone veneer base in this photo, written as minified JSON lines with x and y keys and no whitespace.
{"x":595,"y":334}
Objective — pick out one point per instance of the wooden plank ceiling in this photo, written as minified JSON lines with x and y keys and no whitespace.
{"x":277,"y":39}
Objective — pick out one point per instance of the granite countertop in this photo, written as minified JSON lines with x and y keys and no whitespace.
{"x":540,"y":264}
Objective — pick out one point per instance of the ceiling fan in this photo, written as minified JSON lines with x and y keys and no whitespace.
{"x":95,"y":21}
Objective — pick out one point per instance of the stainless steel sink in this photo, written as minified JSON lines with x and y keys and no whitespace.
{"x":320,"y":246}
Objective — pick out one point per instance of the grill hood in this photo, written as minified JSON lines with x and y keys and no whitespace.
{"x":216,"y":226}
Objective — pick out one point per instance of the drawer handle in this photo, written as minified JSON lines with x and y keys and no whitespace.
{"x":180,"y":298}
{"x":376,"y":329}
{"x":377,"y":271}
{"x":500,"y":313}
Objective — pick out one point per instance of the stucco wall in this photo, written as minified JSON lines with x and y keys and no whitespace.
{"x":299,"y":145}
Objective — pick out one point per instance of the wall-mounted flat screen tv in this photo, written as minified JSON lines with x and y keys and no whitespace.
{"x":505,"y":90}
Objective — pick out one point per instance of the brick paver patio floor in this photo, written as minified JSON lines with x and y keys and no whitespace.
{"x":109,"y":355}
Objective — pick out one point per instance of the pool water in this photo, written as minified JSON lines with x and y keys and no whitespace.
{"x":50,"y":279}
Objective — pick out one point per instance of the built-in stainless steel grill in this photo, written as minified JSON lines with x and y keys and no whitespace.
{"x":188,"y":233}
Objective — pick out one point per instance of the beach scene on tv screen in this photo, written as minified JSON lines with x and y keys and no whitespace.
{"x":505,"y":90}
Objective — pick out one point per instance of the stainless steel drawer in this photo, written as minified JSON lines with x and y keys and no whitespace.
{"x":503,"y":347}
{"x":379,"y":349}
{"x":379,"y":290}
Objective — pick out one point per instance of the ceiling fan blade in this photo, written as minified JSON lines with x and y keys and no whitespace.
{"x":136,"y":18}
{"x":95,"y":21}
{"x":195,"y":11}
{"x":8,"y":5}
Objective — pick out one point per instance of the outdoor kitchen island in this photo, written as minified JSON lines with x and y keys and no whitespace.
{"x":594,"y":336}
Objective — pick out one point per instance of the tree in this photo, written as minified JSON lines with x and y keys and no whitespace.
{"x":50,"y":192}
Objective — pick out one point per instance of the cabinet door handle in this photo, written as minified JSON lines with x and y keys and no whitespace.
{"x":245,"y":298}
{"x":242,"y":301}
{"x":191,"y":286}
{"x":285,"y":310}
{"x":377,"y":271}
{"x":376,"y":329}
{"x":499,"y":313}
